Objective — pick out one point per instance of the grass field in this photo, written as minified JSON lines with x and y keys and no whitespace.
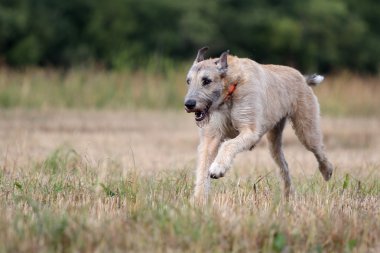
{"x":111,"y":174}
{"x":156,"y":87}
{"x":71,"y":182}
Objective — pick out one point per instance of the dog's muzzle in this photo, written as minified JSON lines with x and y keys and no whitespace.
{"x":200,"y":115}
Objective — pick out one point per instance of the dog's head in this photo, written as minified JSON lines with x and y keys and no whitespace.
{"x":205,"y":81}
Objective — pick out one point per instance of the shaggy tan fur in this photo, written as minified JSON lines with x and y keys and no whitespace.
{"x":265,"y":97}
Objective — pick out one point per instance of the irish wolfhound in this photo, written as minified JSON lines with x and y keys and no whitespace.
{"x":236,"y":101}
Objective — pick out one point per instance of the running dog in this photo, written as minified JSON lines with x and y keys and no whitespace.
{"x":237,"y":100}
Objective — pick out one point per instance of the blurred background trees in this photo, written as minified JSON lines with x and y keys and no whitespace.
{"x":323,"y":35}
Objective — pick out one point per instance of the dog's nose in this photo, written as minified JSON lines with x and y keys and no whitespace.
{"x":190,"y":104}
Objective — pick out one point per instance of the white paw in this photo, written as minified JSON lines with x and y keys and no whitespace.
{"x":216,"y":170}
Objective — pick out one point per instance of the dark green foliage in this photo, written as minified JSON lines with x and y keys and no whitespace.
{"x":107,"y":190}
{"x":308,"y":34}
{"x":279,"y":242}
{"x":346,"y":181}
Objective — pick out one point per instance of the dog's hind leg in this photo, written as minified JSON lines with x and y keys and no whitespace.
{"x":274,"y":137}
{"x":307,"y":127}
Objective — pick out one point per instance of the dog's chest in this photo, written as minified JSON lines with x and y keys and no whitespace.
{"x":222,"y":121}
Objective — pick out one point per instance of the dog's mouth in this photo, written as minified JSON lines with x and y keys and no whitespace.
{"x":200,"y":115}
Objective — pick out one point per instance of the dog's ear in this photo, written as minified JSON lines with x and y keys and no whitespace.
{"x":222,"y":63}
{"x":201,"y":54}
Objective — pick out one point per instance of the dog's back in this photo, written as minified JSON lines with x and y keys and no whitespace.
{"x":270,"y":92}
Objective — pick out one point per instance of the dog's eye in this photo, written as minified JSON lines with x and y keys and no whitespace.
{"x":188,"y":81}
{"x":206,"y":81}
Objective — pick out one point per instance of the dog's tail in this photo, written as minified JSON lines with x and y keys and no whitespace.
{"x":314,"y":79}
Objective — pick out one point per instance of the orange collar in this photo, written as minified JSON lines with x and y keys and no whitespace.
{"x":230,"y":90}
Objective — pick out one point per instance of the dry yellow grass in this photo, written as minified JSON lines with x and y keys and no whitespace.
{"x":340,"y":95}
{"x":347,"y":94}
{"x":121,"y":181}
{"x":82,"y":180}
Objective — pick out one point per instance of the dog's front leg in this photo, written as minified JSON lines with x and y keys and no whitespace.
{"x":207,"y":151}
{"x":229,"y":149}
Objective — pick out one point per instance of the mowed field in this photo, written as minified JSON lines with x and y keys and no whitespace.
{"x":121,"y":180}
{"x":114,"y":181}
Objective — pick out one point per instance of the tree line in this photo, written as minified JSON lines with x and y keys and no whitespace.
{"x":323,"y":35}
